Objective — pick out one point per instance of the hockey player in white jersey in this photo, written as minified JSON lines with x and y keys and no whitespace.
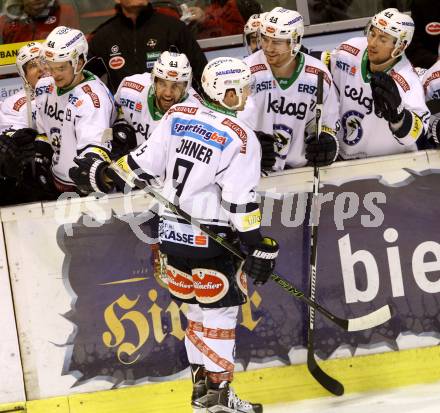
{"x":18,"y":111}
{"x":382,"y":105}
{"x":198,"y":151}
{"x":285,"y":94}
{"x":251,"y":38}
{"x":431,"y":86}
{"x":17,"y":129}
{"x":74,"y":109}
{"x":142,"y":99}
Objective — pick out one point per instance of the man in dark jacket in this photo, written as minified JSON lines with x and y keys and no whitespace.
{"x":132,"y":40}
{"x":26,"y":20}
{"x":424,"y":48}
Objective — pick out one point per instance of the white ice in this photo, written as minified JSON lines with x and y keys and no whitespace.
{"x":411,"y":399}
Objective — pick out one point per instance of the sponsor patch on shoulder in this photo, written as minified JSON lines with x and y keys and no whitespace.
{"x":433,"y":76}
{"x":95,"y":99}
{"x":133,"y":85}
{"x":349,"y":48}
{"x":239,"y":131}
{"x":315,"y":71}
{"x":400,"y":80}
{"x":19,"y":103}
{"x":184,"y":109}
{"x":258,"y":68}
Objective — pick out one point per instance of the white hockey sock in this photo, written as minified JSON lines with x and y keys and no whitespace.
{"x":195,"y":325}
{"x":219,"y":337}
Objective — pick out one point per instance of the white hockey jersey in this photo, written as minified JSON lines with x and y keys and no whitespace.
{"x":431,"y":82}
{"x":209,"y":162}
{"x":14,"y":112}
{"x":286,"y":107}
{"x":363,"y":133}
{"x":74,"y":120}
{"x":135,"y":98}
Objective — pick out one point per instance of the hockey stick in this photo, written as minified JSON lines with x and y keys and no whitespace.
{"x":329,"y":383}
{"x":365,"y":322}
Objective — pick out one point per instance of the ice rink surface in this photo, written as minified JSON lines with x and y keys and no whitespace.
{"x":411,"y":399}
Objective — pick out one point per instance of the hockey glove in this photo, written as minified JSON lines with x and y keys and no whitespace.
{"x":16,"y":149}
{"x":386,"y":97}
{"x":434,"y":128}
{"x":124,"y":138}
{"x":268,"y":156}
{"x":322,"y":151}
{"x":260,"y":263}
{"x":90,"y":174}
{"x":43,"y":162}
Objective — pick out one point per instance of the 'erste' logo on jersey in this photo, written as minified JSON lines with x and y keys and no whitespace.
{"x":181,"y":234}
{"x":74,"y":100}
{"x":345,"y":67}
{"x":266,"y":85}
{"x":43,"y":89}
{"x":130,"y":104}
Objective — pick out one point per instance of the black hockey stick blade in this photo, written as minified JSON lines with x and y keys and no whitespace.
{"x":374,"y":319}
{"x":329,"y":383}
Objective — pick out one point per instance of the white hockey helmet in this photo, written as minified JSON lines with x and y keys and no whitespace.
{"x":174,"y":67}
{"x":397,"y":24}
{"x":281,"y":23}
{"x":224,"y":73}
{"x":252,"y":26}
{"x":27,"y":53}
{"x":66,"y":45}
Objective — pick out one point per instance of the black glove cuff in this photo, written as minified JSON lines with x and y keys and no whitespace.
{"x":404,"y":130}
{"x":98,"y":179}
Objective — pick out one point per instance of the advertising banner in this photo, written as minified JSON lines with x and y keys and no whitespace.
{"x":11,"y":376}
{"x":92,"y":315}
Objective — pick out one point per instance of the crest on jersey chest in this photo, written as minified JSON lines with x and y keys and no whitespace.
{"x":352,"y":127}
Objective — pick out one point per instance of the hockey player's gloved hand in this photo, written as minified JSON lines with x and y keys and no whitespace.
{"x":386,"y":97}
{"x":268,"y":157}
{"x":90,"y":174}
{"x":260,"y":263}
{"x":434,"y":128}
{"x":16,"y":149}
{"x":322,"y":151}
{"x":124,"y":138}
{"x":43,"y":161}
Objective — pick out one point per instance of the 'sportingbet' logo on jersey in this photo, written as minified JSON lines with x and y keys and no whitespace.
{"x":201,"y":131}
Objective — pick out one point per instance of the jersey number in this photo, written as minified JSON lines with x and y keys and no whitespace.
{"x":181,"y":167}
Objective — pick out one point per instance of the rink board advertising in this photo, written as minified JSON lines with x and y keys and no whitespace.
{"x":108,"y":321}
